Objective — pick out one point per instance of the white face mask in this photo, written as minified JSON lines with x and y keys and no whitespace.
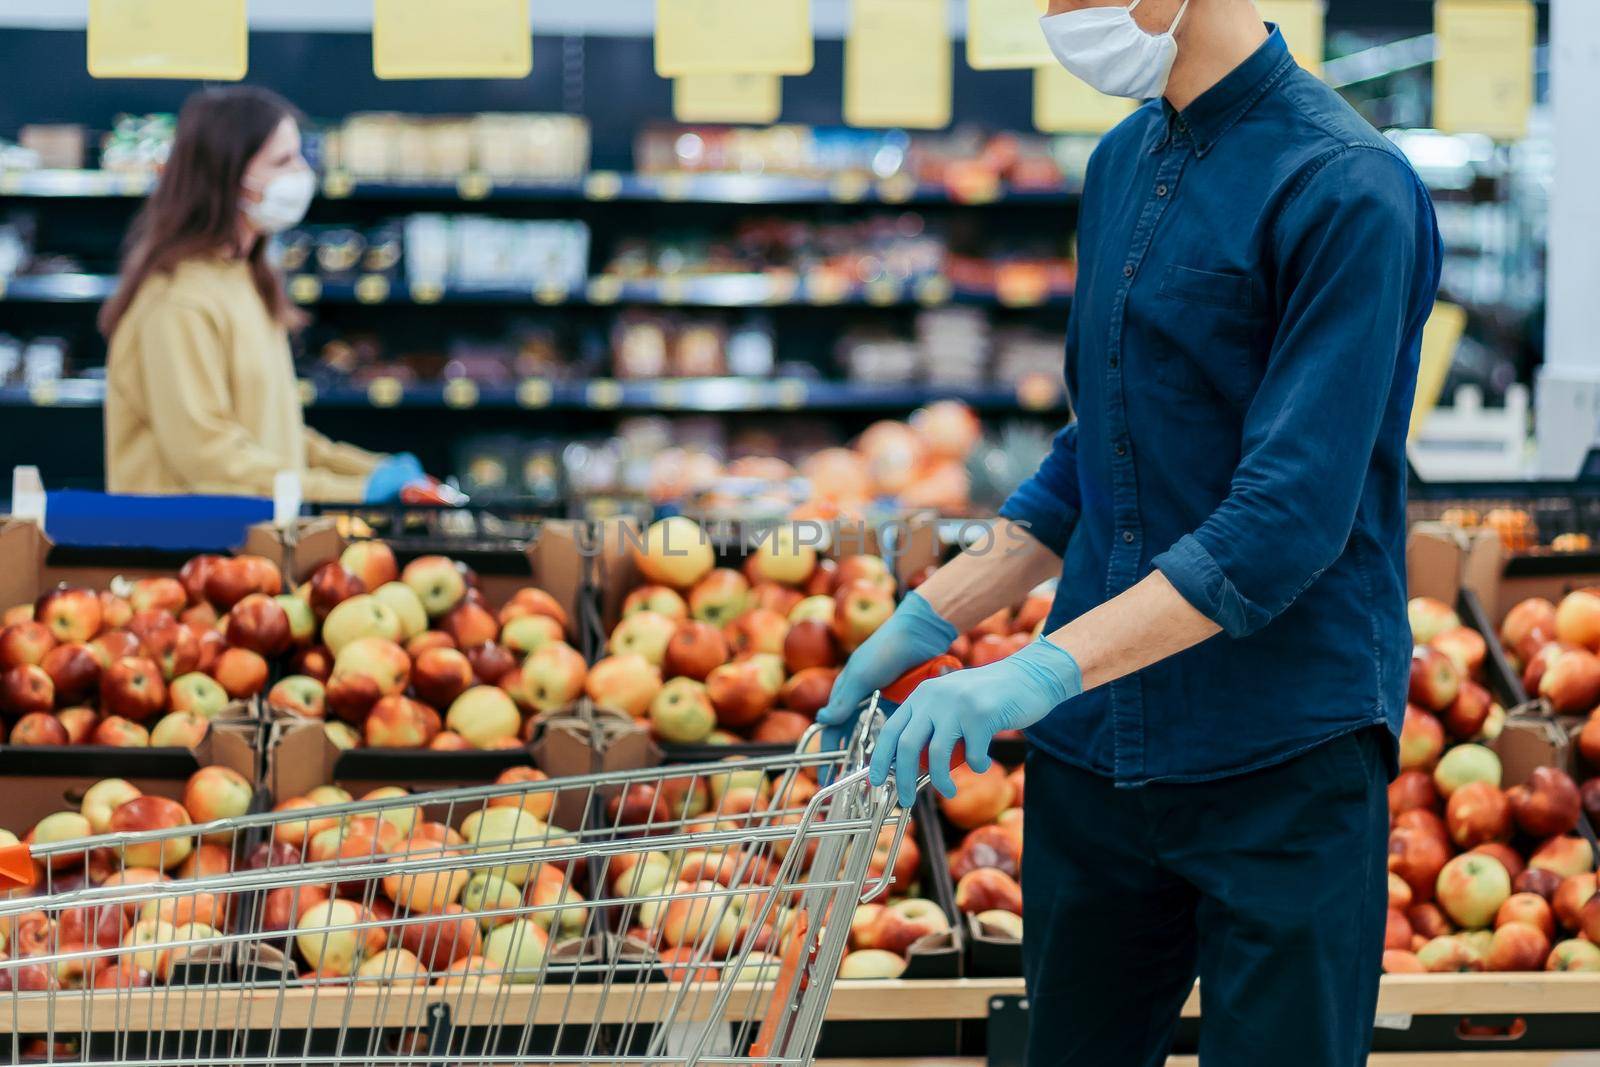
{"x":283,"y":202}
{"x":1104,"y":47}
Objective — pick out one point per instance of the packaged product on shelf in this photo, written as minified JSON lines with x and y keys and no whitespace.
{"x":60,"y":146}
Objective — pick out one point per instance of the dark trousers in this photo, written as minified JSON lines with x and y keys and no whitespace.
{"x":1270,"y":886}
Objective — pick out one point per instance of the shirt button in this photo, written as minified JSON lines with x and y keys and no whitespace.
{"x":1127,"y":537}
{"x":1127,"y":272}
{"x":1122,"y":449}
{"x":1112,"y":361}
{"x":1161,"y":190}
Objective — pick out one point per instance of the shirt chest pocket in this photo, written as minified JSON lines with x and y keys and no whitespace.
{"x":1209,"y":329}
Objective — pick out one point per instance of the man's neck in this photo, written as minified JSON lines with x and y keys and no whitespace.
{"x":1213,"y":40}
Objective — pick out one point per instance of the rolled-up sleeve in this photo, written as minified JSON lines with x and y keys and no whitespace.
{"x":1357,"y":273}
{"x":1049,"y":503}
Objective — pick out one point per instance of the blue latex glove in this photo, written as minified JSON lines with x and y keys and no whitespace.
{"x":392,"y":475}
{"x":914,"y":634}
{"x":971,"y":706}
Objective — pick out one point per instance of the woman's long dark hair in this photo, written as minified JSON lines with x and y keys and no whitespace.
{"x":194,"y":210}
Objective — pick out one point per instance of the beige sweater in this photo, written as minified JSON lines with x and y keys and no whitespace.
{"x":201,"y":395}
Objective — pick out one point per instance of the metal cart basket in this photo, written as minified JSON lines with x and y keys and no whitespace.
{"x":694,"y":915}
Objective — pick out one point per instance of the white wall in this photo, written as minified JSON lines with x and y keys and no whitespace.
{"x":600,"y":17}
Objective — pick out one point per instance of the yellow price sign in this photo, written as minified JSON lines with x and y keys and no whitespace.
{"x":733,"y":37}
{"x":748,"y":98}
{"x":1303,"y":25}
{"x":1062,"y":103}
{"x":168,"y":39}
{"x":1441,"y":336}
{"x":897,"y":64}
{"x":460,"y":39}
{"x":427,"y":293}
{"x":1005,"y":35}
{"x":1483,"y":77}
{"x":337,"y":184}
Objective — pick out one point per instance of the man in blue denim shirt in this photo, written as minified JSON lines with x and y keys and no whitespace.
{"x":1213,"y":710}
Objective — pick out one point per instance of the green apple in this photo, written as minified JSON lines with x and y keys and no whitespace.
{"x":362,"y":615}
{"x":406,"y":605}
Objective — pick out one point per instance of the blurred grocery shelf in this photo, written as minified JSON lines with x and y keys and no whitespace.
{"x":596,"y":187}
{"x":689,"y":395}
{"x":712,"y":291}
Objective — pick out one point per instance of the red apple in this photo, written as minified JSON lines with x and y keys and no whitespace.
{"x":1539,"y":881}
{"x":491,"y":662}
{"x":530,"y":601}
{"x":437,"y":582}
{"x":987,"y":889}
{"x":39,"y":728}
{"x":1471,"y":889}
{"x":1465,"y":647}
{"x":314,"y":662}
{"x":259,"y":623}
{"x":1528,"y":908}
{"x":241,"y":672}
{"x":439,"y":675}
{"x":212,"y":645}
{"x":203,"y":617}
{"x":807,"y":692}
{"x":1565,"y":856}
{"x":69,"y":614}
{"x":1434,"y":679}
{"x":757,"y":630}
{"x":780,"y":727}
{"x":400,"y":722}
{"x":115,"y":611}
{"x":739,"y":694}
{"x":1417,"y":856}
{"x":1578,"y":619}
{"x":118,"y":732}
{"x":1412,"y":789}
{"x":1518,"y":946}
{"x":174,"y":649}
{"x":214,"y":793}
{"x":372,"y":562}
{"x":979,"y":799}
{"x":78,"y":722}
{"x":470,"y":624}
{"x":810,"y":643}
{"x":192,"y":576}
{"x":1534,"y":614}
{"x":902,"y":923}
{"x":989,"y":648}
{"x":1429,"y":618}
{"x":987,"y":846}
{"x":331,"y":585}
{"x":1571,"y":897}
{"x":626,"y":683}
{"x":1478,"y":813}
{"x":1571,"y":683}
{"x":1548,"y":805}
{"x":74,"y":671}
{"x":27,"y":689}
{"x":24,"y":643}
{"x":1398,"y":933}
{"x":133,"y":688}
{"x":864,"y":568}
{"x":1469,"y":711}
{"x":694,"y":650}
{"x":555,"y":676}
{"x":159,"y":594}
{"x":657,"y":598}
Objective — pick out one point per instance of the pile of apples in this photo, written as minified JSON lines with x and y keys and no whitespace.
{"x":711,"y":928}
{"x":133,"y":934}
{"x":417,"y":658}
{"x":985,"y":863}
{"x":1447,"y":664}
{"x":712,"y":654}
{"x":1557,"y":647}
{"x":149,"y":668}
{"x":1480,"y":877}
{"x":459,"y":939}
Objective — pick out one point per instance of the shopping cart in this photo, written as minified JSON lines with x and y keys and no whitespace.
{"x":695,"y":915}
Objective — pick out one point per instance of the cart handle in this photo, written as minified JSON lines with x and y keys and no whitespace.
{"x":17,"y":870}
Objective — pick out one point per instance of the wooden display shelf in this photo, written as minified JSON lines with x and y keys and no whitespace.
{"x":259,"y":1008}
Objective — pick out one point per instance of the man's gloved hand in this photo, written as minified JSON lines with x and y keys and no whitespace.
{"x":971,"y":706}
{"x":914,"y":634}
{"x":391,"y":476}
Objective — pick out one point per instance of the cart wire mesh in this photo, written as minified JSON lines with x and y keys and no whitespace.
{"x":689,"y":918}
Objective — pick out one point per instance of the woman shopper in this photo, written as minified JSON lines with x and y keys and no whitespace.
{"x":200,"y":384}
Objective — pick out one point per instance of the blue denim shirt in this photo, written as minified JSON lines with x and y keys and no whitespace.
{"x":1254,"y":275}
